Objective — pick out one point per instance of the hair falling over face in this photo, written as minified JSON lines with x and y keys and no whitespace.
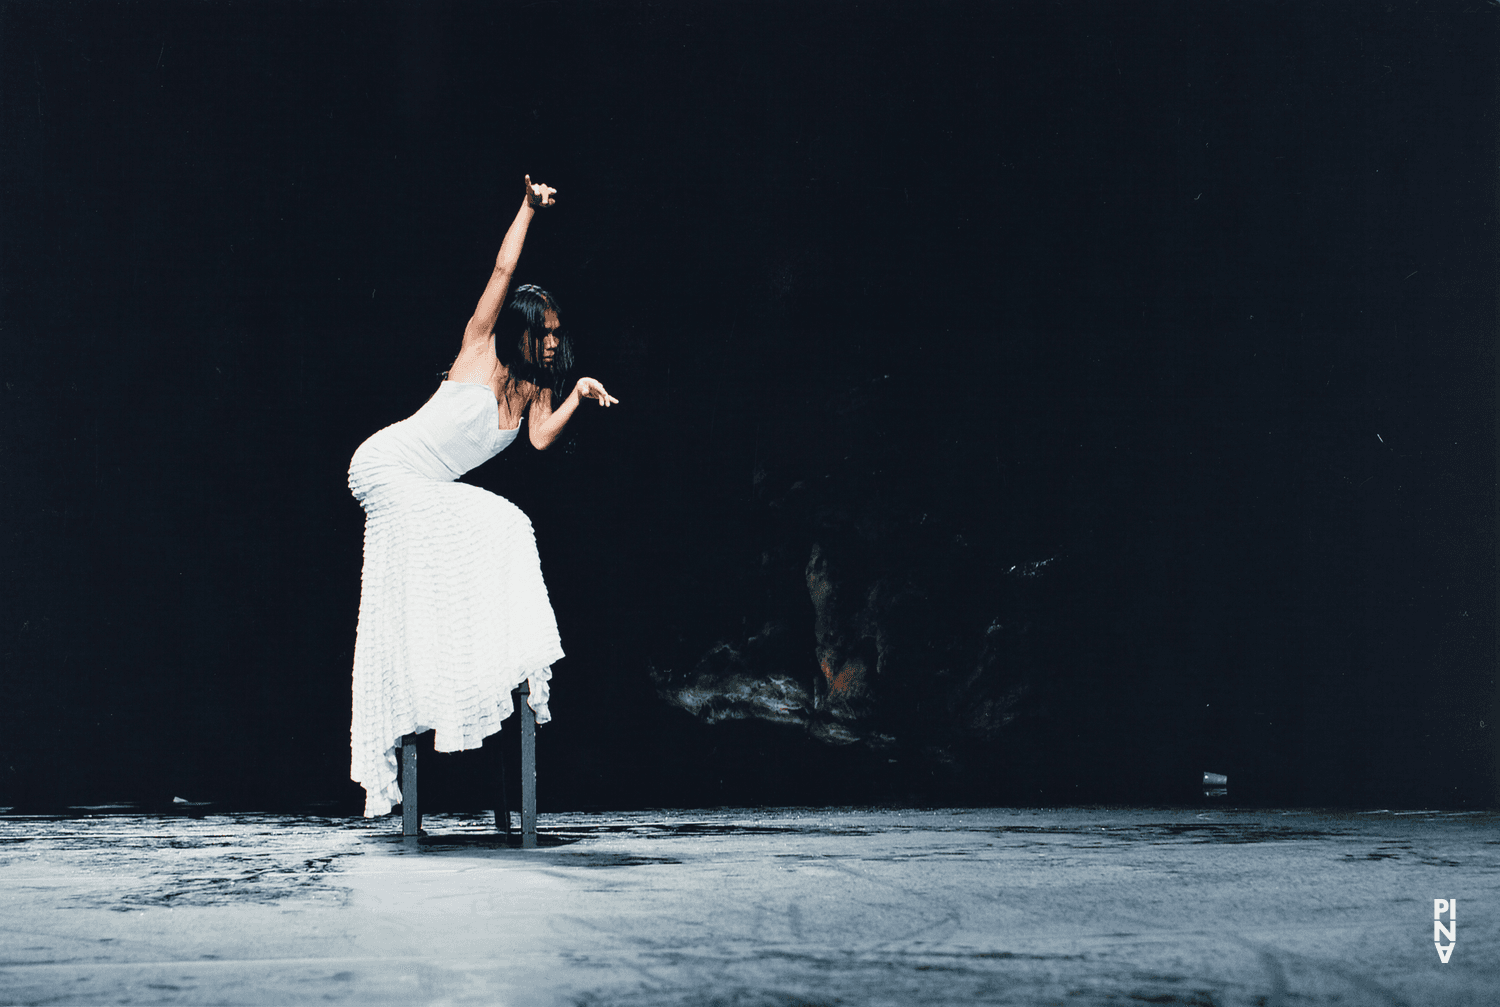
{"x":533,"y":345}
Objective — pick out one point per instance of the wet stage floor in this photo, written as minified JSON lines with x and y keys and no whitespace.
{"x":753,"y":909}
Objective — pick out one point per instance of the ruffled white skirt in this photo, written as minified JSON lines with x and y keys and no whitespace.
{"x":453,"y":615}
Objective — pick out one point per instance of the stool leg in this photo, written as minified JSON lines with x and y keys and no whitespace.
{"x":502,"y":797}
{"x":528,"y":771}
{"x":411,"y":815}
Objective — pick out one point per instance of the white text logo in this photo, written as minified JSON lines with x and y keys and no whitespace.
{"x":1440,"y":932}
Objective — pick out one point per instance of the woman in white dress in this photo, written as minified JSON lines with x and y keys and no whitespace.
{"x":453,"y":612}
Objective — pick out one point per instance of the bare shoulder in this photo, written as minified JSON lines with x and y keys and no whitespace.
{"x":475,"y":364}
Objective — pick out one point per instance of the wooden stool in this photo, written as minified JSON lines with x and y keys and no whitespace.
{"x":411,"y":814}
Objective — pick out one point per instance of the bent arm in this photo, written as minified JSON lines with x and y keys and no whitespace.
{"x":547,"y":423}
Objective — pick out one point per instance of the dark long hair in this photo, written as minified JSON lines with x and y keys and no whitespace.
{"x":519,"y":330}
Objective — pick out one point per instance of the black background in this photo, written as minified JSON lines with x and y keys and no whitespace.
{"x":1198,"y":297}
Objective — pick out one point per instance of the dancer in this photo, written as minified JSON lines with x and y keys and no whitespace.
{"x":453,"y":612}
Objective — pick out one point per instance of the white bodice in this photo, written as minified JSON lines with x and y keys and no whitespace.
{"x":456,"y":430}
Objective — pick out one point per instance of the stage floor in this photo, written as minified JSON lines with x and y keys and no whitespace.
{"x":754,"y":908}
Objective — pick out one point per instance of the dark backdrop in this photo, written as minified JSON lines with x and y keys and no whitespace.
{"x":1192,"y":305}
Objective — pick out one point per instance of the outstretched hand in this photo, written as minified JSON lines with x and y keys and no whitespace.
{"x":588,"y":388}
{"x":539,"y":195}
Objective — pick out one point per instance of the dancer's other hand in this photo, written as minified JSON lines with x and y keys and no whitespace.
{"x":539,"y":195}
{"x":588,"y":388}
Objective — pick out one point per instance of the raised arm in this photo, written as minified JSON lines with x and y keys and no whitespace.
{"x":493,"y":298}
{"x":547,"y":423}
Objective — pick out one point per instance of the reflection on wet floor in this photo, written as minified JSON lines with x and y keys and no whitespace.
{"x":1081,"y":906}
{"x":212,"y":859}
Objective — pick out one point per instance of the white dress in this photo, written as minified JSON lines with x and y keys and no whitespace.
{"x":453,"y":613}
